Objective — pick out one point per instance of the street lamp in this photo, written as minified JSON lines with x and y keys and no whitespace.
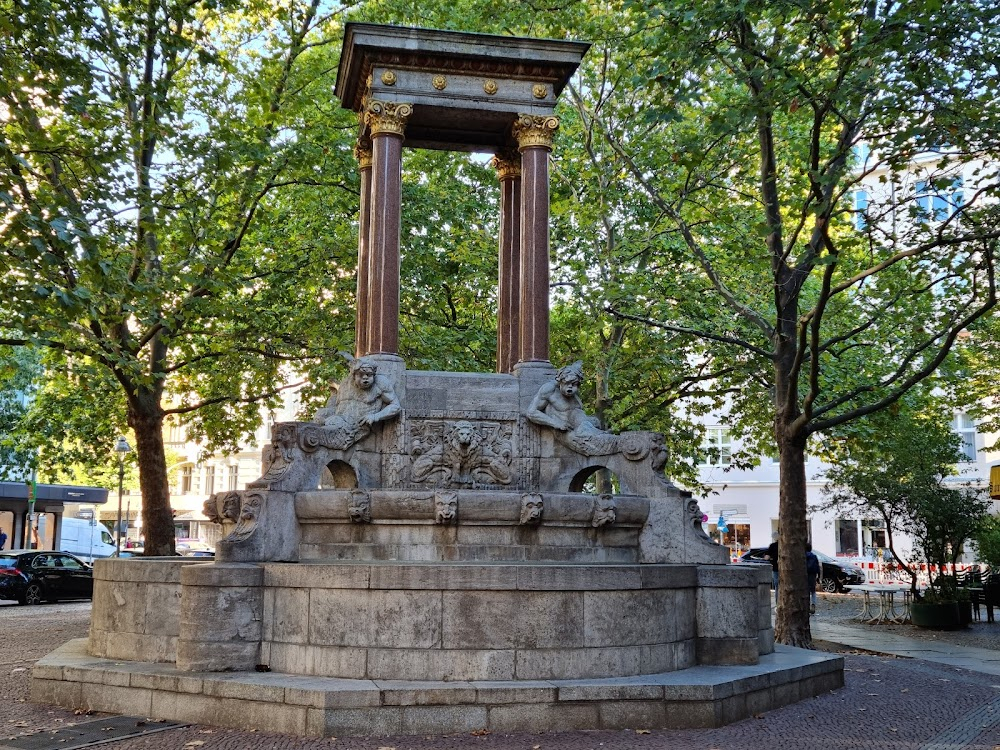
{"x":121,"y":448}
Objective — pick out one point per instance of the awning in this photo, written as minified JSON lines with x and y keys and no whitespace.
{"x":65,"y":493}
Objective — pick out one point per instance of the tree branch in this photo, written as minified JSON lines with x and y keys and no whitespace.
{"x":231,"y":400}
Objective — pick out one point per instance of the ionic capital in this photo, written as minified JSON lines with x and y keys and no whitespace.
{"x":507,"y":163}
{"x":535,"y":131}
{"x":387,"y":117}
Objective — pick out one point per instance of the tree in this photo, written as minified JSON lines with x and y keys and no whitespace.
{"x":144,"y":152}
{"x":987,"y":538}
{"x":900,"y":465}
{"x":19,"y":370}
{"x":740,"y":122}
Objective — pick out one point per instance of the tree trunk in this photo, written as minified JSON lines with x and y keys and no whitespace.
{"x":792,"y":625}
{"x":145,"y":417}
{"x":792,"y":621}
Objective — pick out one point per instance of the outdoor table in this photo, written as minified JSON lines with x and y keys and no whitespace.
{"x":887,"y":611}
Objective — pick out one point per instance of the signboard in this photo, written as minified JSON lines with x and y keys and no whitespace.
{"x":995,"y":481}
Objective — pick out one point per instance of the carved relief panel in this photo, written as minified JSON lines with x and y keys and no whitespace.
{"x":461,"y":453}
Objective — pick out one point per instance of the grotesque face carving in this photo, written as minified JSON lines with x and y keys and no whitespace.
{"x":360,"y":508}
{"x":604,"y":513}
{"x":531,"y":509}
{"x":231,"y":506}
{"x":445,"y":508}
{"x":251,"y":507}
{"x":211,"y":510}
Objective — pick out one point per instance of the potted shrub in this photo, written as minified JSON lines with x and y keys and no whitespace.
{"x":943,"y":519}
{"x":938,"y":607}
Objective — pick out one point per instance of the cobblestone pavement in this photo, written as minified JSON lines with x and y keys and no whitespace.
{"x":890,"y":703}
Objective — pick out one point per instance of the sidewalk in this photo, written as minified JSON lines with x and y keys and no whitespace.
{"x":982,"y":660}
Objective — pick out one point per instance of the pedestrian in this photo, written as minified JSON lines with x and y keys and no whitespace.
{"x":812,"y":570}
{"x":772,"y":556}
{"x":3,"y":538}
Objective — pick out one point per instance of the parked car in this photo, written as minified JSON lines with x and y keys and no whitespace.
{"x":31,"y":576}
{"x":836,"y":577}
{"x":86,"y":538}
{"x":193,"y":548}
{"x":133,"y":552}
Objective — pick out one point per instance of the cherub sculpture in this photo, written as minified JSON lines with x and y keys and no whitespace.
{"x":557,"y":405}
{"x":364,"y":398}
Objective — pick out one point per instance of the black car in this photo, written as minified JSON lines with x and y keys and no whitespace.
{"x":837,"y":576}
{"x":31,"y":576}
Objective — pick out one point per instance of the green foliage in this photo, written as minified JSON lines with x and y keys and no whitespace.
{"x":177,"y":191}
{"x":737,"y":123}
{"x":19,"y":370}
{"x":987,"y":538}
{"x":899,"y":465}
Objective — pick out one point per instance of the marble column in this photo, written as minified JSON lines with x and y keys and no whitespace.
{"x":508,"y":166}
{"x":534,"y":140}
{"x":386,"y":123}
{"x":363,"y":153}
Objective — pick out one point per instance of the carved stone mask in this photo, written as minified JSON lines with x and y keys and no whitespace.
{"x":231,"y":506}
{"x":605,"y":513}
{"x":211,"y":510}
{"x":446,"y":508}
{"x":531,"y":509}
{"x":360,"y":508}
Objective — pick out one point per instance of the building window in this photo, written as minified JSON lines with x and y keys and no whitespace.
{"x":716,"y":447}
{"x":938,"y":202}
{"x":186,"y":474}
{"x":234,"y":476}
{"x":965,"y":428}
{"x":861,"y":153}
{"x":847,"y":537}
{"x":860,"y":209}
{"x":209,"y":480}
{"x":175,"y":433}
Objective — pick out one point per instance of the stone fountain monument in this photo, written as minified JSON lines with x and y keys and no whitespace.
{"x":422,"y":557}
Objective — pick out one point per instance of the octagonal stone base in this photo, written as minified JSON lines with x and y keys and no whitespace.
{"x":701,"y":696}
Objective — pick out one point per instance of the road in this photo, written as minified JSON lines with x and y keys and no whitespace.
{"x":888,"y":703}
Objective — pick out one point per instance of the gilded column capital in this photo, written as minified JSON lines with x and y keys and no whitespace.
{"x":507,"y":163}
{"x":387,"y":117}
{"x":363,"y":153}
{"x":535,"y":130}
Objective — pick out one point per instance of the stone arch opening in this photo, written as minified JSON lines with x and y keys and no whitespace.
{"x":338,"y":475}
{"x":595,"y":480}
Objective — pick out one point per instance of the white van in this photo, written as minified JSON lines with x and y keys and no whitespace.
{"x":87,"y":539}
